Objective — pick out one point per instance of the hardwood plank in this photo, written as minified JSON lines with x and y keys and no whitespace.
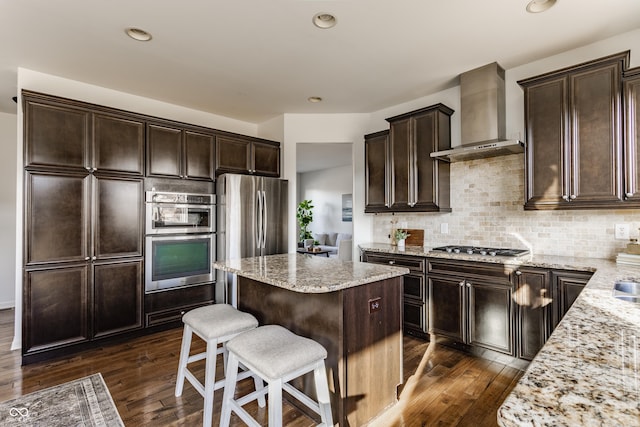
{"x":443,"y":386}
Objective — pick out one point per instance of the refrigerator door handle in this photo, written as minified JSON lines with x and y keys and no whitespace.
{"x":264,"y":220}
{"x":259,"y":218}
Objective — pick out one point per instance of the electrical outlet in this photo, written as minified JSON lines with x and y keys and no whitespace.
{"x":374,"y":305}
{"x":622,"y":231}
{"x":444,"y":228}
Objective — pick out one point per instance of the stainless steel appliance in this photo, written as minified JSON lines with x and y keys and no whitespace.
{"x":180,"y":245}
{"x":474,"y":250}
{"x":252,"y":219}
{"x":174,"y":213}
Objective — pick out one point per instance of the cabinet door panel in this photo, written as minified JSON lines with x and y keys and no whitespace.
{"x":414,"y":317}
{"x":55,"y":308}
{"x":56,"y":217}
{"x":56,"y":135}
{"x":446,"y":307}
{"x":533,"y":301}
{"x":232,"y":155}
{"x":596,"y":139}
{"x":375,"y":155}
{"x":547,"y":155}
{"x":566,"y":288}
{"x":119,"y":226}
{"x":164,"y":151}
{"x":400,"y":150}
{"x":118,"y":144}
{"x":632,"y":147}
{"x":414,"y":286}
{"x":425,"y":176}
{"x":117,"y":297}
{"x":490,"y":324}
{"x":199,"y":150}
{"x":266,"y":159}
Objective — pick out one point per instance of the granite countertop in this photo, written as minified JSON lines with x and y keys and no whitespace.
{"x":588,"y":372}
{"x":309,"y":273}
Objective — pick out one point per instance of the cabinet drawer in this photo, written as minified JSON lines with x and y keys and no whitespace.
{"x":414,"y":317}
{"x":414,"y":263}
{"x":169,"y":316}
{"x":469,"y":270}
{"x":414,"y":286}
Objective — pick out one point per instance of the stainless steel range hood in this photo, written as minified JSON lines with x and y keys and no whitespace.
{"x":482,"y":117}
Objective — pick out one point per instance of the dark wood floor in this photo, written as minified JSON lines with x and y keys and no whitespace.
{"x":442,"y":387}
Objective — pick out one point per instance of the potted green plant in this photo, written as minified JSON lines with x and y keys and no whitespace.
{"x":304,"y":215}
{"x":400,"y":235}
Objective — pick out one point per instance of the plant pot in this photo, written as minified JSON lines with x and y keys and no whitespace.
{"x":401,"y":244}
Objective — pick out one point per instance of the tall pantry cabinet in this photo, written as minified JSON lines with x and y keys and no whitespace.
{"x":83,"y":222}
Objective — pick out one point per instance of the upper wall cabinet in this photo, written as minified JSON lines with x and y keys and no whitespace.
{"x":236,"y":154}
{"x":177,"y":152}
{"x":413,"y":181}
{"x":632,"y":134}
{"x":63,"y":133}
{"x":573,"y":119}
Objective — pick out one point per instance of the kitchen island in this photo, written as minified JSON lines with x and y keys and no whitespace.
{"x":353,"y":309}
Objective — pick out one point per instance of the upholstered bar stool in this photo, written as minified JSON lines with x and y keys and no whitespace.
{"x":215,"y":324}
{"x":277,"y":356}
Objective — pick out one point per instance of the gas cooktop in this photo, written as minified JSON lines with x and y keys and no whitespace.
{"x":474,"y":250}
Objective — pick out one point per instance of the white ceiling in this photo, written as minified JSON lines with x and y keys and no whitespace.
{"x":256,"y":59}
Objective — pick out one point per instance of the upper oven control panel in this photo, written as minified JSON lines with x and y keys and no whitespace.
{"x":183,"y":198}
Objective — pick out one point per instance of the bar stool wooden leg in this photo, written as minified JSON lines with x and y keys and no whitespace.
{"x":209,"y":382}
{"x":229,"y":390}
{"x":187,"y":334}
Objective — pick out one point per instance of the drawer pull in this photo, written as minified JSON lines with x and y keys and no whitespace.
{"x":461,"y":283}
{"x":392,"y":262}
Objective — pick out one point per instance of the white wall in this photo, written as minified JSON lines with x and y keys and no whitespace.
{"x":8,"y":176}
{"x":325,"y":189}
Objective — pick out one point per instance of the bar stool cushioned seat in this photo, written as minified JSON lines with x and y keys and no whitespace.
{"x":215,"y":324}
{"x":277,"y":356}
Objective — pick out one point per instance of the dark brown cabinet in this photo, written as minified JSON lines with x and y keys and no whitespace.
{"x":632,"y":135}
{"x":376,"y":148}
{"x":169,"y":306}
{"x":236,"y":154}
{"x":567,"y":285}
{"x":176,"y":152}
{"x":65,"y":134}
{"x":471,"y":303}
{"x":413,"y":181}
{"x":574,"y":141}
{"x":534,"y":310}
{"x":415,"y":295}
{"x":83,"y":257}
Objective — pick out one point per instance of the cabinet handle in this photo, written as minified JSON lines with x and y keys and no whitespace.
{"x":468,"y":285}
{"x":518,"y":273}
{"x":93,"y":258}
{"x":87,"y":258}
{"x":392,"y":262}
{"x":629,"y":194}
{"x":573,"y":196}
{"x":461,"y":283}
{"x":565,"y":197}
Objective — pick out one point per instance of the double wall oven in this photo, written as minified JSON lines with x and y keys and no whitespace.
{"x":180,"y":240}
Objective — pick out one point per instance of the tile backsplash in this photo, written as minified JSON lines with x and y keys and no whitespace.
{"x":487,"y":198}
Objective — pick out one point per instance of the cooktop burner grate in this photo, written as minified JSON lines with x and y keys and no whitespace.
{"x":475,"y":250}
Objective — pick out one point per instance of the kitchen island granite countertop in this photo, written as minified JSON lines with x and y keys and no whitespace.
{"x":300,"y":273}
{"x":588,"y":372}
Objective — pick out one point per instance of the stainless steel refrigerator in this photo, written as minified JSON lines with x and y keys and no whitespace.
{"x":251,"y":221}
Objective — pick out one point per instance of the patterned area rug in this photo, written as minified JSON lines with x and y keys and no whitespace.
{"x":82,"y":402}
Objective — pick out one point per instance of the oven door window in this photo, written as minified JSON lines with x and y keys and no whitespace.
{"x":176,"y":216}
{"x":180,"y":258}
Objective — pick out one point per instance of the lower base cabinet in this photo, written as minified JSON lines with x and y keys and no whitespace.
{"x":471,"y":304}
{"x":566,"y":286}
{"x":415,"y":297}
{"x":169,"y":306}
{"x":534,"y":308}
{"x":73,"y":304}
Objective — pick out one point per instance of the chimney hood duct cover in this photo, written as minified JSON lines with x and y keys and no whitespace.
{"x":482,"y":117}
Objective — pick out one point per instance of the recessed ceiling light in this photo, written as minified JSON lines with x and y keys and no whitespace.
{"x":314,"y":99}
{"x":324,"y":20}
{"x":537,"y":6}
{"x":138,"y":34}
